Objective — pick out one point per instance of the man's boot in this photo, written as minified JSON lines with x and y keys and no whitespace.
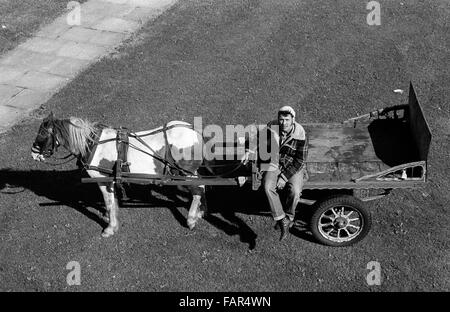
{"x":284,"y":225}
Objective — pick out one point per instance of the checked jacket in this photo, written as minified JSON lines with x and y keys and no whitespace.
{"x":293,"y":149}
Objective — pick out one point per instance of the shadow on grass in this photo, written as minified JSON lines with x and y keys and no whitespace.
{"x":65,"y":188}
{"x":302,"y":222}
{"x":224,"y":202}
{"x":61,"y":187}
{"x":228,"y":201}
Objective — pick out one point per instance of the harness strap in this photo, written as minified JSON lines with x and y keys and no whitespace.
{"x":171,"y":163}
{"x":122,"y":145}
{"x":168,"y":154}
{"x":170,"y":160}
{"x":166,"y":128}
{"x":166,"y":161}
{"x":122,"y":164}
{"x":69,"y":158}
{"x":122,"y":149}
{"x":99,"y":169}
{"x":154,"y":155}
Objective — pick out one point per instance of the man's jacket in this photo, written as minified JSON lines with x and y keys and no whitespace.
{"x":293,"y":151}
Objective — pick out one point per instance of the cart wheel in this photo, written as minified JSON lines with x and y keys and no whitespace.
{"x":340,"y":221}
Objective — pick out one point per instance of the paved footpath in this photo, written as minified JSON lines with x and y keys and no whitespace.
{"x":38,"y":68}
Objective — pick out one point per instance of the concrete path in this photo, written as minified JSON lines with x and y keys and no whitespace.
{"x":36,"y":69}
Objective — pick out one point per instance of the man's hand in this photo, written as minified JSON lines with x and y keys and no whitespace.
{"x":281,"y":183}
{"x":246,"y":158}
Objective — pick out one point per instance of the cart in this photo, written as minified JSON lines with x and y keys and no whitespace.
{"x":349,"y":163}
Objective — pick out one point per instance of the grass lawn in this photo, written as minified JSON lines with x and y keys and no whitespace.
{"x":236,"y":62}
{"x":20,"y":19}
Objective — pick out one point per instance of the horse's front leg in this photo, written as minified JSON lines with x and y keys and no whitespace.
{"x":112,"y":207}
{"x":198,"y":200}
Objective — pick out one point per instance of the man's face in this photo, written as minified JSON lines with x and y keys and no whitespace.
{"x":285,"y":122}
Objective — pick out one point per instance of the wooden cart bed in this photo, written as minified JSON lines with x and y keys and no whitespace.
{"x":338,"y":152}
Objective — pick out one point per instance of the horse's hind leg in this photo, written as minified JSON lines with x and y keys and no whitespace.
{"x":198,"y":200}
{"x":111,"y":205}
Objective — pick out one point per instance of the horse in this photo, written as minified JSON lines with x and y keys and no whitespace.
{"x":146,"y":155}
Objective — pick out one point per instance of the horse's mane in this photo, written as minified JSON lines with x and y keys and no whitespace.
{"x":77,"y":134}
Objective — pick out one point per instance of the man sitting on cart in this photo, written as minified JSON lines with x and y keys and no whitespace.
{"x":287,"y":169}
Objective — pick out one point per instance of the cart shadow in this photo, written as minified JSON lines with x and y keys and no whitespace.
{"x":227,"y":202}
{"x":221,"y":211}
{"x":147,"y":196}
{"x":302,"y":223}
{"x":63,"y":188}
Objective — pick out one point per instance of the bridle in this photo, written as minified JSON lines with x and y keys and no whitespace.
{"x":45,"y":135}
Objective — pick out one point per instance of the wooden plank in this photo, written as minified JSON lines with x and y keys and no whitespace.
{"x":363,"y":185}
{"x":339,"y":144}
{"x":309,"y":185}
{"x":192,"y":181}
{"x":356,"y":152}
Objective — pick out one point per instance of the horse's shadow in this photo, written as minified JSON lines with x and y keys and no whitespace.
{"x":65,"y":188}
{"x":224,"y":202}
{"x":60,"y":187}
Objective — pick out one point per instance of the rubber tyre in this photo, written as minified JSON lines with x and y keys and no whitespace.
{"x":341,"y":200}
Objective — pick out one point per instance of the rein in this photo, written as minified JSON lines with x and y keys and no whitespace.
{"x":168,"y":164}
{"x":62,"y":158}
{"x":154,"y":155}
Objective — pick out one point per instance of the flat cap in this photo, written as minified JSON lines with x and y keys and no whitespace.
{"x":287,"y":109}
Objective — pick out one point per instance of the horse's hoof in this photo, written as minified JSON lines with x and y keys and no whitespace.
{"x":191,"y":224}
{"x":107,"y":232}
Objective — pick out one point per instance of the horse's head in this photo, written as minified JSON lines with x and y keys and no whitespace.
{"x":46,"y":141}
